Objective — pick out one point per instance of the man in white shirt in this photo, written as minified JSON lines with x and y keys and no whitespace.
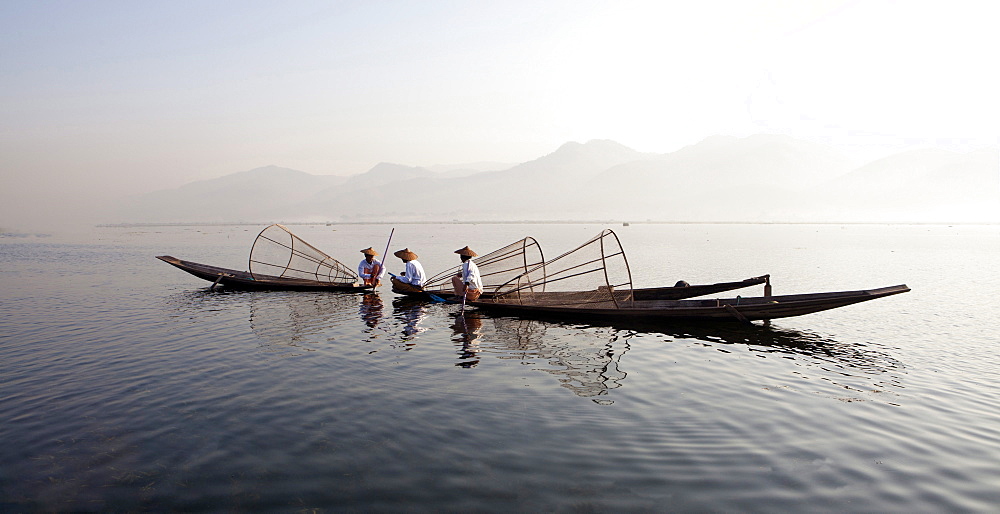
{"x":467,"y":282}
{"x":412,"y":279}
{"x":370,"y":269}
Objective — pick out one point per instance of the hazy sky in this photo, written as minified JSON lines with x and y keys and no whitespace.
{"x":102,"y":98}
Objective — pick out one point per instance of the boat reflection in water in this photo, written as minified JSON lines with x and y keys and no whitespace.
{"x":586,"y":365}
{"x":288,"y":323}
{"x":854,"y":366}
{"x":785,"y":343}
{"x":467,"y":331}
{"x":586,"y":358}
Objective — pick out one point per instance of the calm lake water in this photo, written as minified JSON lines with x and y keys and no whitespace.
{"x":128,"y":385}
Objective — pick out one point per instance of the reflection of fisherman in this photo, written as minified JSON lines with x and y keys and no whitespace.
{"x":412,"y":279}
{"x":410,"y":313}
{"x":371,"y":309}
{"x":467,"y":327}
{"x":467,"y":282}
{"x":370,"y":269}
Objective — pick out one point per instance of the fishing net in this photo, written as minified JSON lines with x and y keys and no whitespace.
{"x":593,"y":275}
{"x":497,"y":268}
{"x":279,"y":253}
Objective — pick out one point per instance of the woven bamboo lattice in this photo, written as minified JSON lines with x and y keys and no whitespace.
{"x":593,"y":275}
{"x":277,"y":252}
{"x":498,"y":267}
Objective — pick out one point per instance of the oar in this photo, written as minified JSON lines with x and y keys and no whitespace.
{"x":737,"y":314}
{"x":377,"y":270}
{"x":461,"y":313}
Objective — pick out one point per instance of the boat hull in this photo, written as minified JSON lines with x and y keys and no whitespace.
{"x":243,"y":280}
{"x":694,"y":291}
{"x":742,"y":309}
{"x":649,"y":293}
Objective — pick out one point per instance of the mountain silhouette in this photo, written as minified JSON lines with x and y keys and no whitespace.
{"x":752,"y":179}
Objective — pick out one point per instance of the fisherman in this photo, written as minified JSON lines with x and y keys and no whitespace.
{"x":412,"y":279}
{"x":467,"y":282}
{"x":370,"y":269}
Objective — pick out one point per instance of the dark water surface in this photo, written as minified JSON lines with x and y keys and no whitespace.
{"x":127,"y":385}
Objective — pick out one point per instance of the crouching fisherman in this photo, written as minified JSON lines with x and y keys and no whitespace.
{"x":412,"y":279}
{"x":467,"y":282}
{"x":371,"y":269}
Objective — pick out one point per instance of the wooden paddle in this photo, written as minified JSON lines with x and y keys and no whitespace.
{"x":377,"y":269}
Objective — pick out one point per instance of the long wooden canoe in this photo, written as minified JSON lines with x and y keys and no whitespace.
{"x":649,"y":293}
{"x":243,"y":280}
{"x":694,"y":291}
{"x":742,"y":309}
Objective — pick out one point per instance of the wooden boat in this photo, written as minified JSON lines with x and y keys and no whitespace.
{"x":521,"y":265}
{"x":244,"y":280}
{"x":593,"y":281}
{"x":649,"y":293}
{"x":279,"y":260}
{"x":694,"y":291}
{"x":742,"y":309}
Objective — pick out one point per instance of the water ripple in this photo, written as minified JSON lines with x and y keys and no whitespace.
{"x":128,"y":386}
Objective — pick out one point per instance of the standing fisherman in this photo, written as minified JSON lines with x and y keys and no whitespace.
{"x":467,"y":283}
{"x":370,"y":269}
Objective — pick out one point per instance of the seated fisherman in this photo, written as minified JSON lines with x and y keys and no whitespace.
{"x":412,"y":279}
{"x":370,"y":269}
{"x":467,"y":282}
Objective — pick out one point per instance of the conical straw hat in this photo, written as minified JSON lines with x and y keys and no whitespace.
{"x":406,"y":254}
{"x":369,"y":251}
{"x":466,"y":251}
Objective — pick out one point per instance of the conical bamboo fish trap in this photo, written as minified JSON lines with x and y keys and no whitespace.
{"x":498,"y":267}
{"x":593,"y":275}
{"x":277,"y":252}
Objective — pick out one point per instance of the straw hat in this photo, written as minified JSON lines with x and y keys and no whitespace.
{"x":369,"y":251}
{"x":467,"y":252}
{"x":406,"y":254}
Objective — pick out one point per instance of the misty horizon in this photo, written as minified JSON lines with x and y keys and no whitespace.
{"x":101,"y":103}
{"x":802,"y":183}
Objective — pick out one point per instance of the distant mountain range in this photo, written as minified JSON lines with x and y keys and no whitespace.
{"x":761,"y":178}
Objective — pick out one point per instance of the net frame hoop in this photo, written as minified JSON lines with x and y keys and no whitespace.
{"x":604,"y":268}
{"x":516,"y":291}
{"x":543,"y":265}
{"x":337,"y":265}
{"x":320,"y":264}
{"x":628,"y":270}
{"x":439,"y":281}
{"x":527,"y":273}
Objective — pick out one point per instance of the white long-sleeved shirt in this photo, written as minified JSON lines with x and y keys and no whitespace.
{"x":365,"y":268}
{"x":414,"y":274}
{"x":470,"y":275}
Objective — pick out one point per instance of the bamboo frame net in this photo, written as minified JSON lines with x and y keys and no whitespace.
{"x":278,"y":253}
{"x":593,"y":275}
{"x":498,"y":267}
